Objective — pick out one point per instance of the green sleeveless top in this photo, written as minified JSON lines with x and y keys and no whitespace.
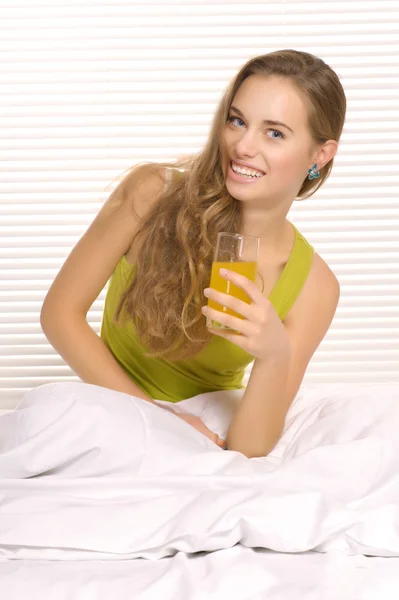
{"x":220,"y":365}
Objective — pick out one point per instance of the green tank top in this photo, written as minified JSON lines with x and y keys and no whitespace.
{"x":220,"y":365}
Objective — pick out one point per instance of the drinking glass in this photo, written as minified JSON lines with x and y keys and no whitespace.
{"x":238,"y":253}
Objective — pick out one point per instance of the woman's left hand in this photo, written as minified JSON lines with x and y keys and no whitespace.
{"x":260,"y":332}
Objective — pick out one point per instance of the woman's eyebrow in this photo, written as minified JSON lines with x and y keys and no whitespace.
{"x":266,"y":121}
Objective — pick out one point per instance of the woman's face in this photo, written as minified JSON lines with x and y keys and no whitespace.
{"x":267,"y":143}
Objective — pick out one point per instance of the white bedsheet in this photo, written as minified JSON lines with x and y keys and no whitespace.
{"x":236,"y":573}
{"x":87,"y":473}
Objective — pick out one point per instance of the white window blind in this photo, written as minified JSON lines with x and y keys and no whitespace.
{"x":90,"y":87}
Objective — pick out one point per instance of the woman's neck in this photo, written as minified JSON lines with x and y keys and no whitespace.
{"x":271,"y":226}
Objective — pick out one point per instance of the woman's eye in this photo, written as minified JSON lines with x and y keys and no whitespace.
{"x":236,"y":121}
{"x":276,"y":134}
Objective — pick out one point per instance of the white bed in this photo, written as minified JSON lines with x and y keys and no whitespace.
{"x":102,"y":494}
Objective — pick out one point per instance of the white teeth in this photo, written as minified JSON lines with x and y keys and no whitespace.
{"x":245,"y":171}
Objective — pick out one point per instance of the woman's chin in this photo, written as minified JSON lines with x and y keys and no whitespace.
{"x":240,"y":192}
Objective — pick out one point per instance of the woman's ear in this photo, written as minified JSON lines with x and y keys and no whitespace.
{"x":325,"y":153}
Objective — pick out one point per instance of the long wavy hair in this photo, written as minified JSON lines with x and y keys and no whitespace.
{"x":177,"y":236}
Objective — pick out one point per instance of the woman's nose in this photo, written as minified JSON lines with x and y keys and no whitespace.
{"x":247,"y":145}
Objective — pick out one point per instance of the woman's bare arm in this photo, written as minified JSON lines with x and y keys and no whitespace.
{"x":83,"y":276}
{"x":259,"y":420}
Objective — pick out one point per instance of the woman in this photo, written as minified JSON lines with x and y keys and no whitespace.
{"x":273,"y":140}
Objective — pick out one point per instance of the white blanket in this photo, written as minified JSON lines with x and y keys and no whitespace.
{"x":89,"y":473}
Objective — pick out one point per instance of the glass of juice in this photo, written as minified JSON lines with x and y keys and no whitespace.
{"x":238,"y":253}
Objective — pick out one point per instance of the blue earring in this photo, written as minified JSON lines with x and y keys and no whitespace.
{"x":313,"y":172}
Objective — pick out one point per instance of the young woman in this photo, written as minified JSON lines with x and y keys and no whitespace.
{"x":273,"y":140}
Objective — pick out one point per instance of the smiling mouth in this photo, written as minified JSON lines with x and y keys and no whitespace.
{"x":246,"y":171}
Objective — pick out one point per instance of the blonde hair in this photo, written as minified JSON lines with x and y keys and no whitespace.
{"x":178,"y":235}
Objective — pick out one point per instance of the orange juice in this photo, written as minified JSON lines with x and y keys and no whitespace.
{"x":246,"y":268}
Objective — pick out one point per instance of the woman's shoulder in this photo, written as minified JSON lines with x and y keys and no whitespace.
{"x":322,"y":274}
{"x":144,"y":184}
{"x":172,"y":174}
{"x":320,"y":292}
{"x":153,"y":179}
{"x":301,"y":239}
{"x":143,"y":189}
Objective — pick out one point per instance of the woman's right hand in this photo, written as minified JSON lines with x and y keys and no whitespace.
{"x":202,"y":428}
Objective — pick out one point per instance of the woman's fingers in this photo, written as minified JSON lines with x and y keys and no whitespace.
{"x":238,"y":306}
{"x":216,"y":439}
{"x":242,"y":326}
{"x":248,"y":286}
{"x":198,"y":424}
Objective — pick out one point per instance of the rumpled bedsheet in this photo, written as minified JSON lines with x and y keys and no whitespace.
{"x":90,"y":473}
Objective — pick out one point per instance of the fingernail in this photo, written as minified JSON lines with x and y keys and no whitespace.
{"x":223,"y":271}
{"x":207,"y":292}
